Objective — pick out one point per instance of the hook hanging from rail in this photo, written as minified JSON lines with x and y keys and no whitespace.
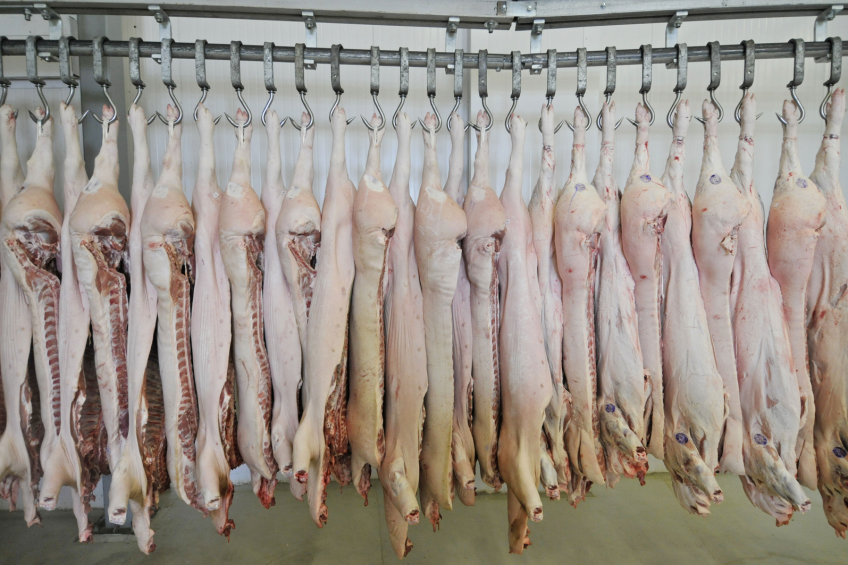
{"x":581,"y":87}
{"x":168,"y":81}
{"x":68,"y":77}
{"x":335,"y":80}
{"x":431,"y":90}
{"x":647,"y":80}
{"x":483,"y":87}
{"x":375,"y":89}
{"x":4,"y":82}
{"x":457,"y":85}
{"x":135,"y":76}
{"x":682,"y":79}
{"x":32,"y":76}
{"x":550,"y":92}
{"x":610,"y":89}
{"x":715,"y":78}
{"x":268,"y":71}
{"x":797,"y":79}
{"x":835,"y":73}
{"x":200,"y":73}
{"x":300,"y":84}
{"x":516,"y":87}
{"x":235,"y":79}
{"x":100,"y":78}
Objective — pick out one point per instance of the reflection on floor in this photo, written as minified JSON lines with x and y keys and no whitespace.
{"x":631,"y":524}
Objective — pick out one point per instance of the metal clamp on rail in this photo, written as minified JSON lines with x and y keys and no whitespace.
{"x":797,"y":79}
{"x":457,"y":85}
{"x":268,"y":72}
{"x":748,"y":78}
{"x":550,"y":90}
{"x":135,"y":75}
{"x":200,"y":75}
{"x":715,"y":78}
{"x":835,"y":72}
{"x":335,"y":80}
{"x":66,"y":75}
{"x":647,"y":80}
{"x":168,"y":81}
{"x":516,"y":87}
{"x":375,"y":89}
{"x":32,"y":76}
{"x":300,"y":84}
{"x":610,"y":88}
{"x":483,"y":86}
{"x":431,"y":90}
{"x":680,"y":86}
{"x":581,"y":87}
{"x":235,"y":79}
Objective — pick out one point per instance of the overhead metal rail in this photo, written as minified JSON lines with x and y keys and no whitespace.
{"x":221,"y":52}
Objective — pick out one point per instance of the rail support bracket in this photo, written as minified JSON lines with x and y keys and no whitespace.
{"x":820,"y":27}
{"x":450,"y":40}
{"x":671,"y":28}
{"x":311,"y":41}
{"x":161,"y":17}
{"x":536,"y":43}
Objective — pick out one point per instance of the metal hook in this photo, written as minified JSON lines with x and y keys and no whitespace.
{"x":647,"y":80}
{"x":268,"y":68}
{"x":581,"y":88}
{"x":168,"y":80}
{"x":300,"y":84}
{"x":235,"y":79}
{"x":66,"y":75}
{"x":100,"y":78}
{"x":835,"y":73}
{"x":335,"y":80}
{"x":176,"y":102}
{"x":135,"y":76}
{"x":457,"y":85}
{"x":483,"y":87}
{"x":610,"y":89}
{"x":748,"y":77}
{"x":682,"y":79}
{"x":375,"y":89}
{"x":516,"y":87}
{"x":4,"y":82}
{"x":32,"y":75}
{"x":715,"y":78}
{"x":551,"y":86}
{"x":797,"y":79}
{"x":200,"y":73}
{"x":431,"y":90}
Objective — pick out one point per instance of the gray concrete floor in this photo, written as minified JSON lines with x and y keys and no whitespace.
{"x":630,"y":524}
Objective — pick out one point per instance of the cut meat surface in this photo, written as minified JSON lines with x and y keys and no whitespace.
{"x":828,"y":325}
{"x":439,"y":225}
{"x":695,"y":402}
{"x":241,"y":232}
{"x":624,"y":389}
{"x":406,"y":359}
{"x":374,"y":218}
{"x":718,"y":209}
{"x":795,"y":220}
{"x":526,"y":379}
{"x":579,"y":217}
{"x":320,"y":444}
{"x":480,"y":249}
{"x":767,"y":386}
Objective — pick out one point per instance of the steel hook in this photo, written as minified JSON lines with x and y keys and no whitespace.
{"x":200,"y":73}
{"x":650,"y":109}
{"x":682,"y":78}
{"x":581,"y":87}
{"x":234,"y":123}
{"x":100,"y":78}
{"x":489,"y":117}
{"x":431,"y":90}
{"x":32,"y":75}
{"x":835,"y":73}
{"x":457,"y":86}
{"x":333,"y":109}
{"x":610,"y":88}
{"x":268,"y":67}
{"x":308,"y":111}
{"x":375,"y":89}
{"x":516,"y":87}
{"x":456,"y":103}
{"x":271,"y":94}
{"x":647,"y":80}
{"x":600,"y":120}
{"x":203,"y":93}
{"x":438,"y":117}
{"x":509,"y":115}
{"x":483,"y":87}
{"x":300,"y":84}
{"x":235,"y":80}
{"x":66,"y":75}
{"x":45,"y":105}
{"x":176,"y":102}
{"x":715,"y":79}
{"x":585,"y":111}
{"x":380,"y":111}
{"x":397,"y":113}
{"x":797,"y":79}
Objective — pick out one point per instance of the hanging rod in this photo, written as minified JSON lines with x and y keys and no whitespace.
{"x":221,"y":52}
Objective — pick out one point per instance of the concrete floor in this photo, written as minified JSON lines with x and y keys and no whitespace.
{"x":630,"y":525}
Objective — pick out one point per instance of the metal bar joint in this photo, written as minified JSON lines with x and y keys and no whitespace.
{"x":450,"y":40}
{"x":536,"y":43}
{"x":311,"y":40}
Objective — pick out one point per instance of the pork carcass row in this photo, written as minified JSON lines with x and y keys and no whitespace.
{"x":374,"y":218}
{"x":578,"y":221}
{"x":406,"y":359}
{"x":480,"y":249}
{"x":645,"y":204}
{"x":827,"y":307}
{"x":796,"y":216}
{"x":27,"y":216}
{"x":320,"y":444}
{"x":556,"y":471}
{"x":767,"y":385}
{"x":462,"y":445}
{"x":525,"y":373}
{"x":695,"y":402}
{"x":142,"y":471}
{"x":298,"y":235}
{"x":241,"y":230}
{"x":624,"y":388}
{"x":99,"y":226}
{"x":438,"y":227}
{"x":79,"y":456}
{"x":168,"y":231}
{"x":211,"y":337}
{"x":718,"y":210}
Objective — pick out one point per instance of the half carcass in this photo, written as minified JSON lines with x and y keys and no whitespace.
{"x":718,"y":210}
{"x":695,"y":402}
{"x":525,"y":373}
{"x":578,"y":221}
{"x":624,"y":388}
{"x":480,"y":248}
{"x":406,"y":359}
{"x":827,"y":310}
{"x":645,"y":204}
{"x":462,"y":445}
{"x":796,"y":216}
{"x":374,"y":218}
{"x":438,"y":227}
{"x":79,"y":456}
{"x":320,"y":444}
{"x":241,"y":232}
{"x":211,"y":337}
{"x":556,"y":471}
{"x":767,"y":386}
